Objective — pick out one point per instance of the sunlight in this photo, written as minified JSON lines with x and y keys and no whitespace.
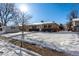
{"x":23,"y":8}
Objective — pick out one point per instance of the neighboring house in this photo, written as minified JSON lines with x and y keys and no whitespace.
{"x":65,"y":27}
{"x":45,"y":26}
{"x":9,"y":29}
{"x":75,"y":24}
{"x":5,"y":29}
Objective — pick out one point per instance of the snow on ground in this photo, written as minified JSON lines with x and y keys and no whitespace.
{"x":8,"y":49}
{"x":66,"y":42}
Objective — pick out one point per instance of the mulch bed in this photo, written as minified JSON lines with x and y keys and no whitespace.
{"x":41,"y":50}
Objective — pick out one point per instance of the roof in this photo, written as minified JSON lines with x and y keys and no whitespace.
{"x":40,"y":23}
{"x":75,"y":19}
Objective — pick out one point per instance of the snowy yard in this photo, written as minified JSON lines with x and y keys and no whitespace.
{"x":8,"y":49}
{"x":65,"y":42}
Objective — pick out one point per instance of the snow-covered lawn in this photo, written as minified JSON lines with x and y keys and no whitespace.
{"x":8,"y":49}
{"x":66,"y":42}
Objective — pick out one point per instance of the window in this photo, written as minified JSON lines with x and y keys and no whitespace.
{"x":49,"y":26}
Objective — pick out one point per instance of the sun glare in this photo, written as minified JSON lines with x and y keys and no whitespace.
{"x":23,"y":8}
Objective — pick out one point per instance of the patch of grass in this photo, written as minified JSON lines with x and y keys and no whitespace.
{"x":3,"y":38}
{"x":15,"y":42}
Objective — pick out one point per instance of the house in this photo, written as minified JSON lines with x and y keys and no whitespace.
{"x":45,"y":26}
{"x":75,"y":24}
{"x":9,"y":29}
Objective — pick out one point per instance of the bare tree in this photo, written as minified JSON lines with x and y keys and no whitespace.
{"x":61,"y":26}
{"x":6,"y":10}
{"x":21,"y":18}
{"x":42,"y":21}
{"x":18,"y":17}
{"x":73,"y":14}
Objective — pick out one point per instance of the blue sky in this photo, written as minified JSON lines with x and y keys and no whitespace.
{"x":50,"y":12}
